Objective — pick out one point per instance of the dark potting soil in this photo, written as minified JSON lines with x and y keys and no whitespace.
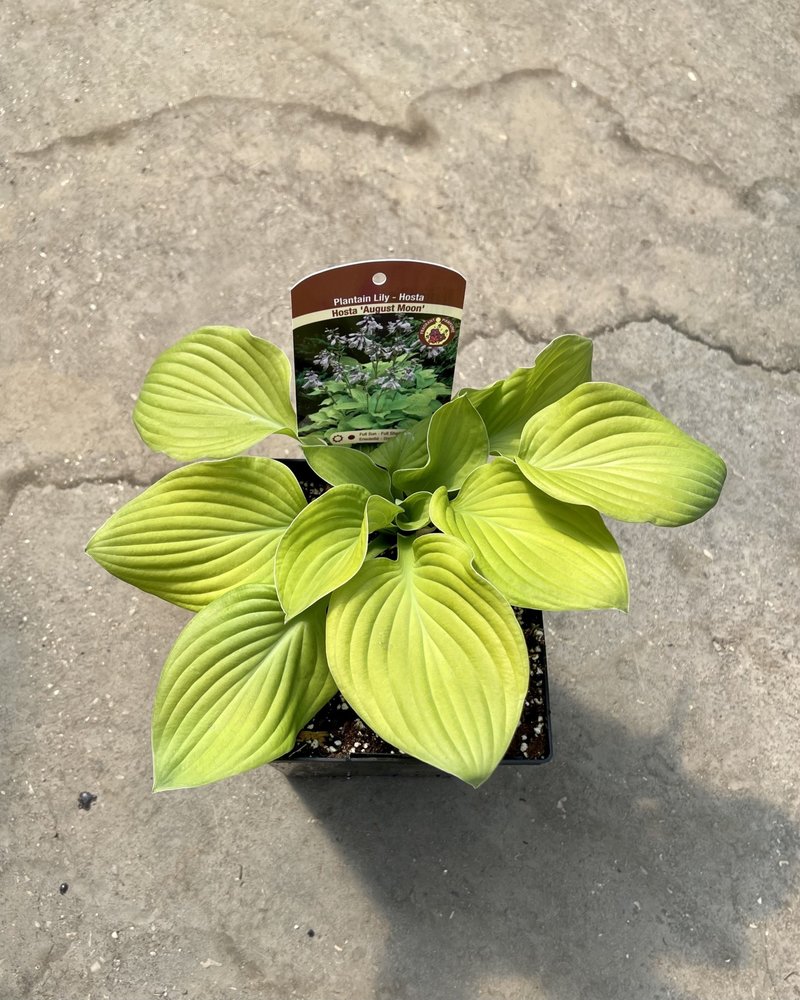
{"x":337,"y":732}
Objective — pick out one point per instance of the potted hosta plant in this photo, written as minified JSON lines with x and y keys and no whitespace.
{"x":397,"y":584}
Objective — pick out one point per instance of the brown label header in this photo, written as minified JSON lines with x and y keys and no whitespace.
{"x":377,"y":282}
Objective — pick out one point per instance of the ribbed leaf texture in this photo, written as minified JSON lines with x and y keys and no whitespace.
{"x":339,"y":465}
{"x":201,"y":530}
{"x":457,"y":444}
{"x":605,"y":446}
{"x":537,"y":551}
{"x":237,"y":687}
{"x":507,"y":405}
{"x":326,"y":544}
{"x":215,"y":393}
{"x":430,"y":656}
{"x":407,"y":450}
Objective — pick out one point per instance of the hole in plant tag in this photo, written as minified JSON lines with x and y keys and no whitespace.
{"x":375,"y":347}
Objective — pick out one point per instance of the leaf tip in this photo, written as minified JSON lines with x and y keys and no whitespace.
{"x":623,"y":604}
{"x":290,"y":609}
{"x":172,"y":780}
{"x":161,"y":781}
{"x":92,"y":549}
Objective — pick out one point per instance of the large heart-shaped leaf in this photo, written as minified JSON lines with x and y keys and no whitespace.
{"x":237,"y":687}
{"x":338,"y":466}
{"x":457,"y":444}
{"x":537,"y":551}
{"x":215,"y":393}
{"x":507,"y":405}
{"x":430,"y":656}
{"x":201,"y":530}
{"x":605,"y":446}
{"x":327,"y":543}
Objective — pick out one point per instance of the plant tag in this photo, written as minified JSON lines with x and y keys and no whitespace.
{"x":375,"y":346}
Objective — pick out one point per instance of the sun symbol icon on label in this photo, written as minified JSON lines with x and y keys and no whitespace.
{"x":437,"y":332}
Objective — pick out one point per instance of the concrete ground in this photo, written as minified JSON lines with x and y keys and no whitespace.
{"x":625,"y":169}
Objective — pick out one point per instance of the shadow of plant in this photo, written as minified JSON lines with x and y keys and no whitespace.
{"x":592,"y":878}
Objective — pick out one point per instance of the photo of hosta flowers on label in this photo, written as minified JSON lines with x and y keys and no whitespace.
{"x":375,"y":346}
{"x":368,"y":377}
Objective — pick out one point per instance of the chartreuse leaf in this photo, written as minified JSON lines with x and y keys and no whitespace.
{"x":537,"y":551}
{"x":605,"y":446}
{"x":201,"y":530}
{"x":237,"y":687}
{"x":457,"y":444}
{"x":430,"y":656}
{"x":407,"y":450}
{"x":415,"y":513}
{"x":507,"y":405}
{"x":215,"y":393}
{"x":326,"y":544}
{"x":339,"y":465}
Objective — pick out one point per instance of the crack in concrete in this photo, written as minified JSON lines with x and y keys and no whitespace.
{"x":709,"y":171}
{"x":672,"y":321}
{"x":418,"y":130}
{"x":14,"y":483}
{"x":414,"y":132}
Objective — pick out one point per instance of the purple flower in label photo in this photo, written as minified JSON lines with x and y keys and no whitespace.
{"x":402,"y":325}
{"x":334,"y":338}
{"x":388,"y":381}
{"x":325,"y":359}
{"x":312,"y":381}
{"x":391,"y":351}
{"x":369,"y":325}
{"x":360,"y":341}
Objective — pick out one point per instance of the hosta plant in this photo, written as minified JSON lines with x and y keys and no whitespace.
{"x":396,"y":585}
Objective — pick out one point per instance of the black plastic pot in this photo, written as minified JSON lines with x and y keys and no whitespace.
{"x":532,"y":743}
